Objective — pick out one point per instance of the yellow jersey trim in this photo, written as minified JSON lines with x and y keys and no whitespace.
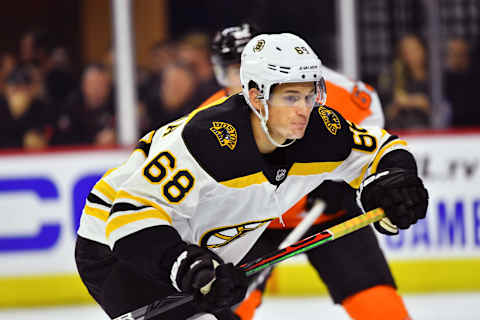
{"x":297,"y":169}
{"x":108,"y":172}
{"x":97,"y":213}
{"x":120,"y":221}
{"x":377,"y":158}
{"x":355,"y":183}
{"x":125,"y":195}
{"x":242,"y":182}
{"x":148,"y":138}
{"x":105,"y":189}
{"x":140,"y":150}
{"x":305,"y":169}
{"x":194,"y":112}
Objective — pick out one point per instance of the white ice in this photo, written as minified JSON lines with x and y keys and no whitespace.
{"x":460,"y":306}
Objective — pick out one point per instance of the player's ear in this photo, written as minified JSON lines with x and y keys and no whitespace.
{"x":253,"y":94}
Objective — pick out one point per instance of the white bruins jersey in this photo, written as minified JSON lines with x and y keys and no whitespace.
{"x":204,"y":176}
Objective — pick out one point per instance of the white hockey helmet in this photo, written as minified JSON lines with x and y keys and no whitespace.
{"x":270,"y":59}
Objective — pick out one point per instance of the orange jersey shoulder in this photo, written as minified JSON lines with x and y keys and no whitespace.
{"x":216,"y":96}
{"x":353,"y":99}
{"x":354,"y":106}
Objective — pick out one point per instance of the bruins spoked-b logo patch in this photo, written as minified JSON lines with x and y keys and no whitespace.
{"x":220,"y":237}
{"x":259,"y":46}
{"x":331,"y":120}
{"x":225,"y":133}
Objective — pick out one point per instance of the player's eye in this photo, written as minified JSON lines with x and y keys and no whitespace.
{"x":310,"y":99}
{"x":291,"y":99}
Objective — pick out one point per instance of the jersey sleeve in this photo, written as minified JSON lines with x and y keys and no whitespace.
{"x":165,"y":187}
{"x":368,"y":146}
{"x":100,"y":199}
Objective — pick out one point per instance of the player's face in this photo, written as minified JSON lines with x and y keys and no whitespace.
{"x":290,"y":106}
{"x":233,"y":78}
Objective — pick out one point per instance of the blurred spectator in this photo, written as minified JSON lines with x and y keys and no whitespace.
{"x":88,"y":117}
{"x":161,"y":55}
{"x":50,"y":65}
{"x":38,"y":81}
{"x":7,"y":64}
{"x":404,"y":87}
{"x":173,"y":97}
{"x":460,"y":83}
{"x":25,"y":120}
{"x":35,"y":48}
{"x":194,"y":50}
{"x":59,"y":80}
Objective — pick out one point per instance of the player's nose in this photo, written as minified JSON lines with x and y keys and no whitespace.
{"x":303,"y":109}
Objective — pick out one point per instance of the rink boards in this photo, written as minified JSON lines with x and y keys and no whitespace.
{"x":42,"y":195}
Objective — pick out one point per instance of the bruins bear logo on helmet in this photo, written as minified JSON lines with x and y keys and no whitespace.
{"x":259,"y":46}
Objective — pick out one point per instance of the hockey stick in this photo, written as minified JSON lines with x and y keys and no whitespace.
{"x":335,"y":232}
{"x":295,"y":235}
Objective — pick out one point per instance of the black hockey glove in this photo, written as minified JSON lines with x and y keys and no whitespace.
{"x":400,"y":193}
{"x":214,"y":284}
{"x":333,"y":193}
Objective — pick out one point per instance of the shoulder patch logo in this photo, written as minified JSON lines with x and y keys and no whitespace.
{"x":331,"y":120}
{"x":259,"y":46}
{"x":225,"y":133}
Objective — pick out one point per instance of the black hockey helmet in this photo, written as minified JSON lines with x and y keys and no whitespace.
{"x":227,"y":47}
{"x":228,"y":44}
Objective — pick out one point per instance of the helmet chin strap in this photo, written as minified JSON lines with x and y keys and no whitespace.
{"x":263,"y":123}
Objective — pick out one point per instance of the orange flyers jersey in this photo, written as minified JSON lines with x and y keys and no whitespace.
{"x":216,"y":96}
{"x":357,"y":102}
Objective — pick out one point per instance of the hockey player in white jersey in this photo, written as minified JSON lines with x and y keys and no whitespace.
{"x":209,"y":183}
{"x":352,"y":280}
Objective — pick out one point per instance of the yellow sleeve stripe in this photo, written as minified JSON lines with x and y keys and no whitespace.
{"x":355,"y":183}
{"x":377,"y":158}
{"x":305,"y":169}
{"x":108,"y":172}
{"x":105,"y":189}
{"x":97,"y":213}
{"x":125,"y":195}
{"x":120,"y":221}
{"x":242,"y":182}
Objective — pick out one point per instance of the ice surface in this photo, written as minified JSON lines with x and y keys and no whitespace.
{"x":461,"y":306}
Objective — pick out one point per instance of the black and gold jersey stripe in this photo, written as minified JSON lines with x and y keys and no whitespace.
{"x":145,"y":143}
{"x":97,"y":200}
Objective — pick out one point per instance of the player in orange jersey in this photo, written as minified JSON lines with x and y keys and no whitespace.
{"x":353,"y":268}
{"x":227,"y":47}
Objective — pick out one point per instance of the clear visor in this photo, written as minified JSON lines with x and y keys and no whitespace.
{"x":293,"y":98}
